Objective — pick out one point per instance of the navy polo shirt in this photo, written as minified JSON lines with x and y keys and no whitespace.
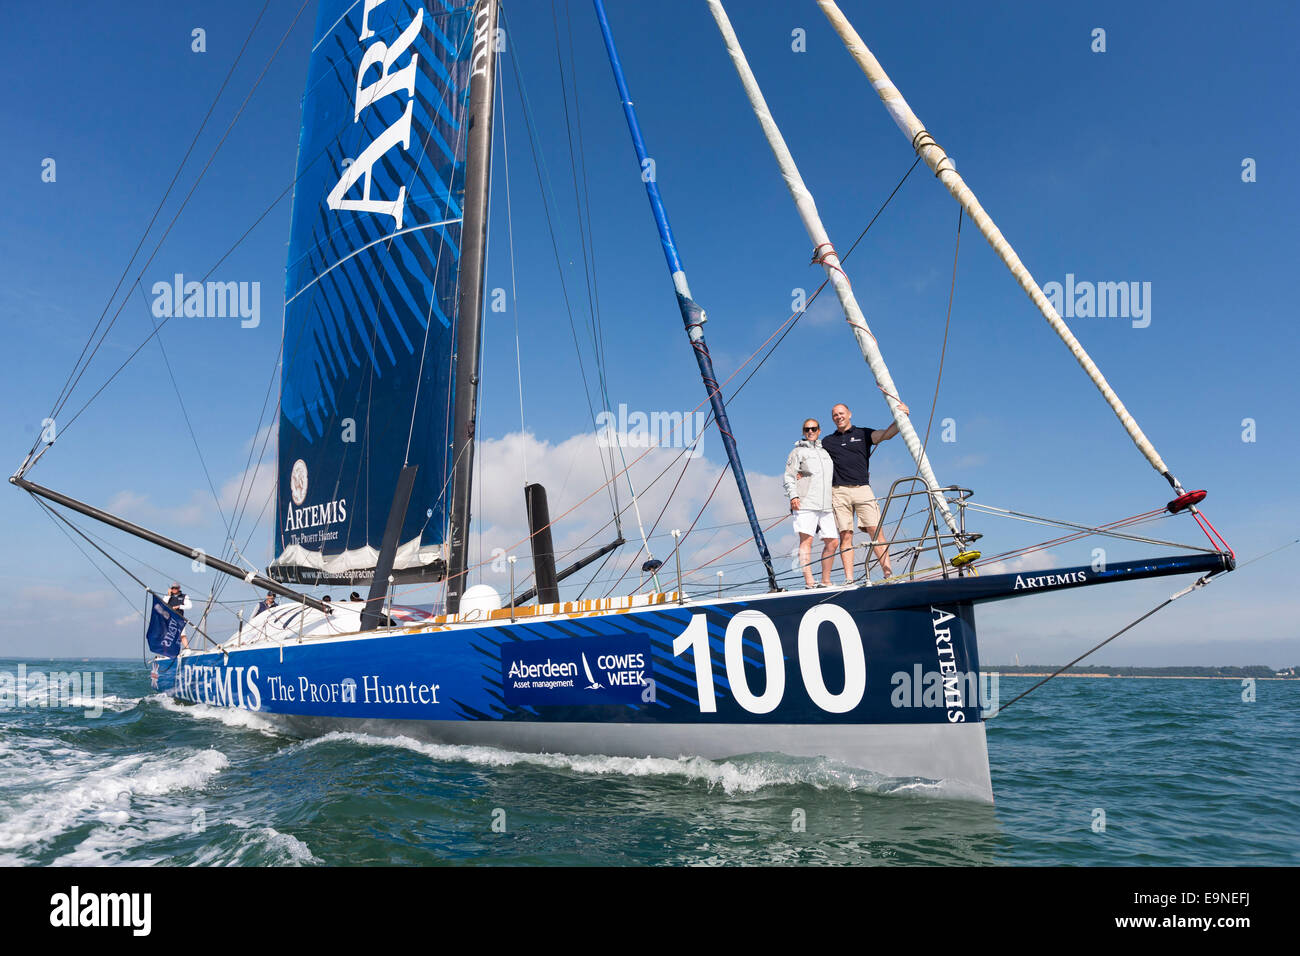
{"x":850,"y":452}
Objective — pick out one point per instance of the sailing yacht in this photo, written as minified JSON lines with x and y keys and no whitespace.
{"x":378,"y":411}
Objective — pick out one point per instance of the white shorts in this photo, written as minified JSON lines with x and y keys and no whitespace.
{"x":813,"y":522}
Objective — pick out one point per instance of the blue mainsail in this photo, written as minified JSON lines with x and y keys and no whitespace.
{"x":371,"y":288}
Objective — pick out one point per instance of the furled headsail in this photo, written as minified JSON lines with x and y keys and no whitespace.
{"x":371,"y":289}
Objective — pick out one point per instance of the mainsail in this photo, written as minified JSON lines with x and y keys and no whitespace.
{"x":371,"y":289}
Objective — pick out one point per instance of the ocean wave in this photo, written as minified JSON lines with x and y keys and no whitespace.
{"x":260,"y":846}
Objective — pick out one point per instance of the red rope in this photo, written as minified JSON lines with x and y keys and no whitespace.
{"x":1204,"y":522}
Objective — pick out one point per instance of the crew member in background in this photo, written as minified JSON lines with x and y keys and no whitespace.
{"x":265,"y":605}
{"x":179,"y":601}
{"x":852,"y":498}
{"x":808,"y":486}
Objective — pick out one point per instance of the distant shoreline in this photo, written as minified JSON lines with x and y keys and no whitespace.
{"x":995,"y":670}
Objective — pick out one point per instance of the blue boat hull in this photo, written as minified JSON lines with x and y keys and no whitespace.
{"x":884,"y":679}
{"x":809,"y":674}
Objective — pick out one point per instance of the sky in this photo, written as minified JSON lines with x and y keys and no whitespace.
{"x":1161,"y":160}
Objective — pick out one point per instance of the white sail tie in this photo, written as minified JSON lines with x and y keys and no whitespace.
{"x":824,"y":253}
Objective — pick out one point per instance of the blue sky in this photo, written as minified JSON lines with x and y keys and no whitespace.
{"x":1123,"y":165}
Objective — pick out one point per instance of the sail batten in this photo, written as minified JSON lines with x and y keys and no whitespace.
{"x":371,"y":283}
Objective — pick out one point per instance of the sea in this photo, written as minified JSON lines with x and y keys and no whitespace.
{"x":1086,"y":771}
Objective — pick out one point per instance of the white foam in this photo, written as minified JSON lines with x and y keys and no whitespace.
{"x":735,"y":775}
{"x":286,"y":849}
{"x":106,"y":845}
{"x":74,"y":790}
{"x":38,"y":692}
{"x":107,"y":702}
{"x":230,"y":716}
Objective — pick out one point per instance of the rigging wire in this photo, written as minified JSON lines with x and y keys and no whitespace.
{"x":1267,"y":553}
{"x":789,"y":325}
{"x":577,"y":161}
{"x":546,"y":190}
{"x":662,"y":511}
{"x":56,"y":515}
{"x":248,"y":477}
{"x":437,"y":268}
{"x":154,"y":218}
{"x":586,"y":193}
{"x":794,"y":319}
{"x":1158,"y":513}
{"x":1198,"y":583}
{"x":938,"y":379}
{"x":176,"y":216}
{"x":113,"y":584}
{"x":538,"y":167}
{"x":514,"y":287}
{"x":189,"y":425}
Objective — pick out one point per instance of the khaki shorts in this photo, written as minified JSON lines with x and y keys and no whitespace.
{"x":846,"y":501}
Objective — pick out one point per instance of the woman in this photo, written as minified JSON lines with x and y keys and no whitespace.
{"x":808,"y":486}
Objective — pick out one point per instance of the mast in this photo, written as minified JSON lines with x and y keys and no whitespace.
{"x":825,"y":253}
{"x":469,"y":316}
{"x":943,"y":168}
{"x":692,"y":315}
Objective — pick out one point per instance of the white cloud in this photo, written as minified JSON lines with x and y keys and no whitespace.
{"x":235,"y":490}
{"x":825,"y":309}
{"x":54,"y":595}
{"x":142,"y":510}
{"x":265,"y":439}
{"x":1034,"y":561}
{"x":580,"y":508}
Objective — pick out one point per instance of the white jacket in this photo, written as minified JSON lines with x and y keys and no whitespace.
{"x":808,"y":473}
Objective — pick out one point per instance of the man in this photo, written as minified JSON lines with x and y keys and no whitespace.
{"x":179,"y":601}
{"x":265,"y":605}
{"x":851,"y":495}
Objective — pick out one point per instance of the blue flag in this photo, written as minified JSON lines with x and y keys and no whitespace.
{"x":165,"y":627}
{"x":162,"y":675}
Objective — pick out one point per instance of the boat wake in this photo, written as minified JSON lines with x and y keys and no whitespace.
{"x":741,"y":774}
{"x":230,"y":716}
{"x":69,"y":789}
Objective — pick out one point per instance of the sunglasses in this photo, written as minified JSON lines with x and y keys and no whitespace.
{"x":812,"y":428}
